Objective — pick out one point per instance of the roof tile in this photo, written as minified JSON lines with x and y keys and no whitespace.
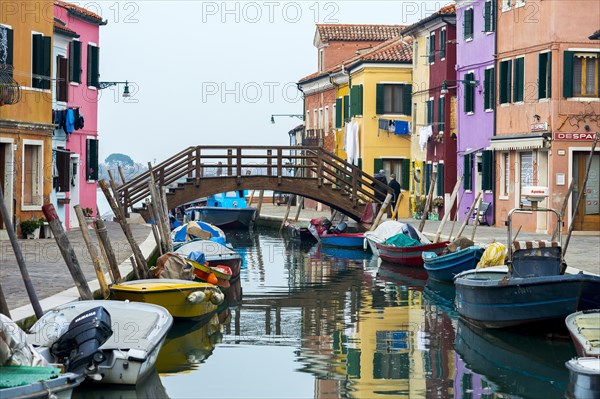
{"x":80,"y":11}
{"x":358,"y":32}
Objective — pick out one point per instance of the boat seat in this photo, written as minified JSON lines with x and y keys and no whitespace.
{"x":536,"y":258}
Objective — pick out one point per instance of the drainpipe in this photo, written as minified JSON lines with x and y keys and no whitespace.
{"x":494,"y":128}
{"x":303,"y":111}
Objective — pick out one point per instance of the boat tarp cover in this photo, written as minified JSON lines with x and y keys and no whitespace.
{"x":401,"y":240}
{"x":494,"y":255}
{"x":14,"y":349}
{"x":390,"y":228}
{"x":16,"y":376}
{"x":172,"y":266}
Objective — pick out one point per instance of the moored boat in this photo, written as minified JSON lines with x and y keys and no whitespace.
{"x":385,"y":230}
{"x":409,"y":255}
{"x":182,"y":298}
{"x":197,"y":230}
{"x":584,"y":371}
{"x":444,"y":267}
{"x":226,"y":210}
{"x":215,"y":254}
{"x":343,"y":240}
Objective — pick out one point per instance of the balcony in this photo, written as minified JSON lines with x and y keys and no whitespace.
{"x":10,"y":92}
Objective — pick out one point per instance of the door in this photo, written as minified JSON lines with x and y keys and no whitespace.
{"x":73,"y":222}
{"x":588,"y":214}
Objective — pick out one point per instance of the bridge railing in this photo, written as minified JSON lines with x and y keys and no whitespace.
{"x":204,"y":162}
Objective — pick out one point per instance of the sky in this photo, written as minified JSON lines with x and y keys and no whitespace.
{"x":213,"y":72}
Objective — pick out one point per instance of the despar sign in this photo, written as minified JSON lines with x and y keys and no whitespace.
{"x":574,"y":136}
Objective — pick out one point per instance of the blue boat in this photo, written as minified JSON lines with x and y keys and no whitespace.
{"x":225,"y":210}
{"x":343,"y":240}
{"x":445,"y":267}
{"x":531,"y":288}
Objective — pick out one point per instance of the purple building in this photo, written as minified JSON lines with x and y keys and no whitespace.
{"x":476,"y":26}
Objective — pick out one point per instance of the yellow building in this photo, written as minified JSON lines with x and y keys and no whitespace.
{"x":374,"y":92}
{"x":26,"y":30}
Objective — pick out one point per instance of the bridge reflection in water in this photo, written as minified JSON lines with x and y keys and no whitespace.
{"x":311,"y":323}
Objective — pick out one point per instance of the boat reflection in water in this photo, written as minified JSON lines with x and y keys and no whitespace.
{"x":150,"y":387}
{"x":513,"y":363}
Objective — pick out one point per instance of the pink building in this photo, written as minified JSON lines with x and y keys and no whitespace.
{"x":82,"y":75}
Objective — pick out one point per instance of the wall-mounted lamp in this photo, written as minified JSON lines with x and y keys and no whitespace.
{"x":299,"y":116}
{"x":104,"y":85}
{"x":444,"y":89}
{"x":536,"y":117}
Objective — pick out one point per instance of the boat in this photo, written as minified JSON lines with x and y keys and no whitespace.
{"x":198,"y":230}
{"x":530,"y":288}
{"x":410,"y":255}
{"x":182,"y":298}
{"x":343,"y":240}
{"x":299,"y":231}
{"x":444,"y":267}
{"x":385,"y":230}
{"x":214,"y":252}
{"x":227,"y":210}
{"x":584,"y":370}
{"x":112,"y":342}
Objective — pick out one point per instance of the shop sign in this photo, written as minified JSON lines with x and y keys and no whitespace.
{"x":565,"y":136}
{"x":539,"y":127}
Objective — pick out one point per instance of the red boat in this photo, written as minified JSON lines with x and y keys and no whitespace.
{"x":410,"y":256}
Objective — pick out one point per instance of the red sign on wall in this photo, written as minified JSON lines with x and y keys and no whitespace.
{"x":588,"y":136}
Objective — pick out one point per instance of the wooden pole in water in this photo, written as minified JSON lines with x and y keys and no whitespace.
{"x":462,"y":227}
{"x":397,"y":207}
{"x":115,"y":192}
{"x":386,"y":203}
{"x":154,"y":229}
{"x":456,"y":215}
{"x":102,"y":233}
{"x":166,"y":221}
{"x":287,"y":212}
{"x":447,"y":214}
{"x":155,"y":212}
{"x":93,"y":252}
{"x":104,"y":257}
{"x":300,"y":204}
{"x":570,"y":191}
{"x":137,"y":253}
{"x":428,"y":202}
{"x":258,"y":206}
{"x":3,"y":305}
{"x":134,"y":267}
{"x":580,"y":196}
{"x":122,"y":174}
{"x":67,"y":252}
{"x":476,"y":219}
{"x":20,"y":260}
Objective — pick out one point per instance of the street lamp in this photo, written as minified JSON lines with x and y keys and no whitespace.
{"x":444,"y":89}
{"x":104,"y":85}
{"x":299,"y":116}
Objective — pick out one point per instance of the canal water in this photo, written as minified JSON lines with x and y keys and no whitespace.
{"x":312,"y":322}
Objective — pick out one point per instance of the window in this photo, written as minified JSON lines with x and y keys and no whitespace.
{"x":580,"y":74}
{"x":393,"y":99}
{"x":431,"y":54}
{"x":506,"y":178}
{"x":307,"y":121}
{"x":400,"y":167}
{"x":93,"y":60}
{"x":505,"y":81}
{"x":442,"y":44}
{"x":316,"y":120}
{"x":326,"y":121}
{"x":75,"y":61}
{"x":489,"y":89}
{"x":40,"y":62}
{"x":469,"y":93}
{"x":468,"y":24}
{"x":338,"y":113}
{"x":519,"y":77}
{"x":33,"y":173}
{"x":62,"y":83}
{"x":467,"y":171}
{"x":6,"y":49}
{"x":441,"y":114}
{"x":91,"y":158}
{"x":429,"y":105}
{"x":489,"y":16}
{"x":356,"y":100}
{"x":62,"y":180}
{"x":526,"y":173}
{"x":545,"y":75}
{"x":321,"y":124}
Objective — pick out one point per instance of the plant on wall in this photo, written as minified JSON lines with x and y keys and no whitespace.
{"x":437,"y":202}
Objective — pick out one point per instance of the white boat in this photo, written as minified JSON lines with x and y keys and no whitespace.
{"x":133,"y":335}
{"x":215,"y":253}
{"x":388,"y":229}
{"x":584,"y":370}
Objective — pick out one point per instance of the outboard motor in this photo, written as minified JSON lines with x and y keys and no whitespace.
{"x":340,"y":228}
{"x":78,"y":348}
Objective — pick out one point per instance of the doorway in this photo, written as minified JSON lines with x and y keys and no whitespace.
{"x":588,"y":214}
{"x":73,"y":222}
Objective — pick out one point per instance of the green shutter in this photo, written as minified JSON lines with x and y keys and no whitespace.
{"x":469,"y":93}
{"x":356,"y":103}
{"x":91,"y":167}
{"x":492,"y":96}
{"x":440,"y":180}
{"x":442,"y":44}
{"x":467,"y":170}
{"x":405,"y":165}
{"x":487,"y":161}
{"x":46,"y":61}
{"x":431,"y":48}
{"x":346,"y":108}
{"x":542,"y":67}
{"x":486,"y":88}
{"x":468,"y":24}
{"x":96,"y":67}
{"x":487,"y":16}
{"x":360,"y":100}
{"x":519,"y":85}
{"x":75,"y":61}
{"x":407,"y":99}
{"x":430,"y":112}
{"x":505,"y":81}
{"x":428,"y":168}
{"x":338,"y":112}
{"x":359,"y":164}
{"x":37,"y":56}
{"x":377,"y":165}
{"x":379,"y":99}
{"x":549,"y":72}
{"x":440,"y":114}
{"x":568,"y":74}
{"x":93,"y":65}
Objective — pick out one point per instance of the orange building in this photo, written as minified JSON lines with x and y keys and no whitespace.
{"x":547,"y":109}
{"x":26,"y":31}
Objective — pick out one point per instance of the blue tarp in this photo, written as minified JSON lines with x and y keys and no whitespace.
{"x":197,"y":256}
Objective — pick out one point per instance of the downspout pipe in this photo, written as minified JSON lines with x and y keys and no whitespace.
{"x":299,"y":87}
{"x":494,"y":177}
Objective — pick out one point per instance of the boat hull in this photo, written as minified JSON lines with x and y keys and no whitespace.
{"x":409,"y":256}
{"x":486,"y":298}
{"x":227,"y":218}
{"x":584,"y":378}
{"x":60,"y":387}
{"x":171,"y":296}
{"x":216,"y":254}
{"x":584,"y":327}
{"x":350,"y":240}
{"x":445,"y":267}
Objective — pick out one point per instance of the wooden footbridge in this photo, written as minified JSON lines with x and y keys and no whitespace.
{"x":310,"y":172}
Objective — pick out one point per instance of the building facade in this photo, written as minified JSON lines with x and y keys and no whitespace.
{"x":548,"y":107}
{"x":475,"y":62}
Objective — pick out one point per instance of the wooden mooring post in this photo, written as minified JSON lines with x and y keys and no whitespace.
{"x":428,"y":201}
{"x":462,"y":227}
{"x":449,"y":210}
{"x":104,"y":241}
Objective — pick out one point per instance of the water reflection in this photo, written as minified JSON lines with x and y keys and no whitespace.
{"x":149,"y":387}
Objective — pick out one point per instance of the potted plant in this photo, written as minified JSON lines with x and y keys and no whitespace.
{"x":419,"y":207}
{"x":88,"y":213}
{"x":31,"y":228}
{"x":437,"y":202}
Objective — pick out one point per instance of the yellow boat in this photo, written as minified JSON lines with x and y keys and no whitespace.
{"x":182,"y":298}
